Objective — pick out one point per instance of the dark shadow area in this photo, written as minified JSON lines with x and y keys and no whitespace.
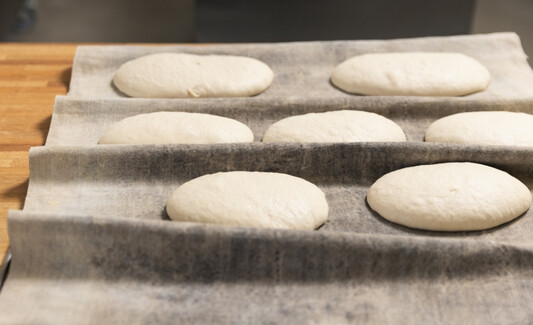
{"x":137,"y":21}
{"x":170,"y":253}
{"x":66,"y":75}
{"x":116,"y":90}
{"x":16,"y":191}
{"x":342,"y":90}
{"x":164,"y":214}
{"x":311,"y":20}
{"x":8,"y":16}
{"x":4,"y":269}
{"x":44,"y":127}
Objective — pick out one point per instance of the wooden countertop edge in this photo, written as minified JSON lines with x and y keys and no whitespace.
{"x":31,"y":75}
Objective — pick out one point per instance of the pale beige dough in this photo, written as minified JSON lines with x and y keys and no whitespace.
{"x":483,"y":128}
{"x":411,"y":74}
{"x":176,"y":127}
{"x":250,"y":199}
{"x":178,"y":75}
{"x":335,"y":126}
{"x":449,"y":197}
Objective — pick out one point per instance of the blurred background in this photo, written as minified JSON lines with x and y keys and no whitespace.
{"x":180,"y":21}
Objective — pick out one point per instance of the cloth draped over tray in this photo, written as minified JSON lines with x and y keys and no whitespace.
{"x":93,"y":244}
{"x":82,"y":121}
{"x":303,"y":69}
{"x":78,"y":269}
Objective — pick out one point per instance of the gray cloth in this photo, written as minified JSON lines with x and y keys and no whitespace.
{"x":121,"y":267}
{"x":125,"y":267}
{"x":133,"y":181}
{"x":83,"y":270}
{"x":84,"y":121}
{"x":303,"y":69}
{"x":94,"y":245}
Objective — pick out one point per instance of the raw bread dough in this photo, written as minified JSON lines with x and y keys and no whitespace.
{"x":449,"y":197}
{"x":411,"y":74}
{"x":173,"y":75}
{"x":336,"y":126}
{"x":485,"y":128}
{"x":176,"y":127}
{"x":250,"y":199}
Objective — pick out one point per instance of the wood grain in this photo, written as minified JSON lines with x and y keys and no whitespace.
{"x":31,"y":75}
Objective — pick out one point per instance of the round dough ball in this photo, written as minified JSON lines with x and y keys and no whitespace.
{"x":484,"y":128}
{"x":449,"y":197}
{"x":411,"y":74}
{"x":176,"y":127}
{"x":250,"y":199}
{"x":173,"y":75}
{"x":336,"y":126}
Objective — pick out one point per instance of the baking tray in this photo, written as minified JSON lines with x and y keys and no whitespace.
{"x":84,"y":121}
{"x":303,"y":69}
{"x":90,"y":270}
{"x":93,"y":244}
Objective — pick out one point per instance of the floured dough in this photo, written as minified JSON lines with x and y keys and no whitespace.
{"x":173,"y":75}
{"x":336,"y":126}
{"x":176,"y":127}
{"x":449,"y":197}
{"x":250,"y":199}
{"x":484,"y":128}
{"x":411,"y":74}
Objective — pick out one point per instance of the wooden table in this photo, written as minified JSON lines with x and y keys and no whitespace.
{"x":31,"y":75}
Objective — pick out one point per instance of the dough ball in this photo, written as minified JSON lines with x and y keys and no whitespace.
{"x":250,"y":199}
{"x":336,"y":126}
{"x":173,"y":75}
{"x":411,"y":74}
{"x":484,"y":128}
{"x":176,"y":127}
{"x":449,"y":197}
